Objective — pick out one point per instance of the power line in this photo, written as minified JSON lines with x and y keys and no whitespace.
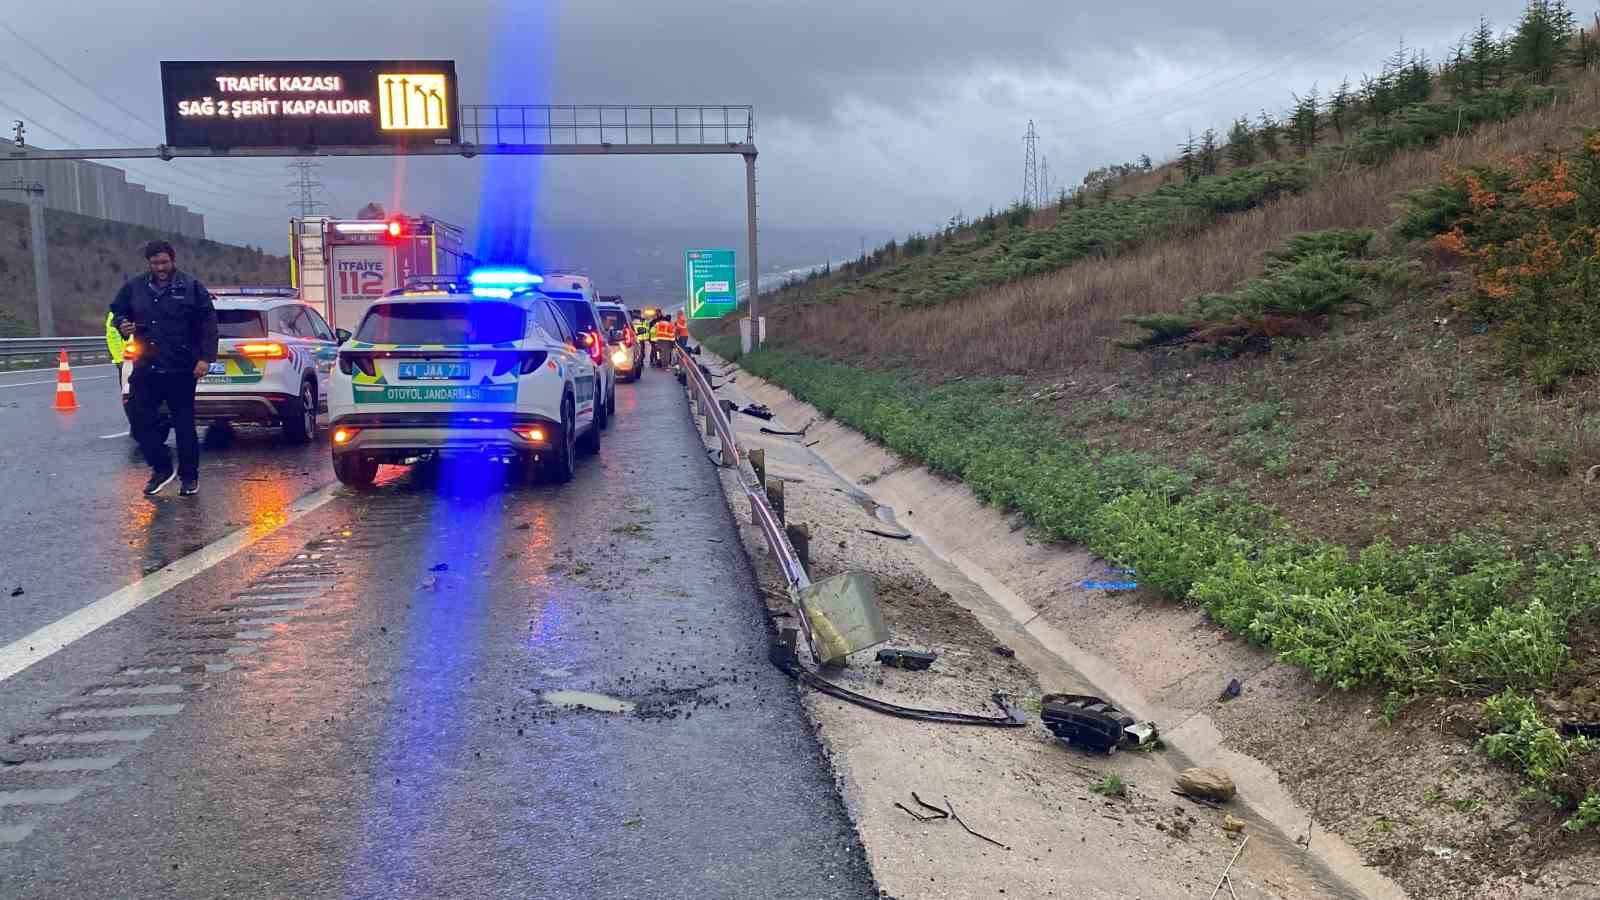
{"x":208,"y":210}
{"x":1289,"y":55}
{"x":111,"y":101}
{"x":230,"y":190}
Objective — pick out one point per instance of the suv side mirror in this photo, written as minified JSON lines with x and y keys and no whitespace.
{"x":343,"y":334}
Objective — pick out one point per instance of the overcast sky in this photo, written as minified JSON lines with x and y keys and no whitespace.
{"x":872,"y":115}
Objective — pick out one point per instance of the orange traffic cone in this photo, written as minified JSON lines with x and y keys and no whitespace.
{"x":66,"y":396}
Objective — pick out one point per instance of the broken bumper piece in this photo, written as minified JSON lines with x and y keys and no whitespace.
{"x":1093,"y":724}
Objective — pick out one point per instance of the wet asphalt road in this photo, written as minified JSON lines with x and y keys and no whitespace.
{"x":359,"y":704}
{"x":74,"y":523}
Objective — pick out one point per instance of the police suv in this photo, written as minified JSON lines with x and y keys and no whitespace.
{"x":490,"y":367}
{"x":274,"y":356}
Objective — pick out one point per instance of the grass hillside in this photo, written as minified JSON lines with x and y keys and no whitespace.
{"x":1346,"y":402}
{"x":91,"y":258}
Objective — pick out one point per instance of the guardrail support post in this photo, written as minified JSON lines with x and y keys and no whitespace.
{"x":728,"y":408}
{"x":711,"y":425}
{"x":800,"y":540}
{"x":758,"y":462}
{"x":775,"y":497}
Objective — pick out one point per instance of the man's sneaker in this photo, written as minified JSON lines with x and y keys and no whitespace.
{"x":158,"y":480}
{"x":189,"y":489}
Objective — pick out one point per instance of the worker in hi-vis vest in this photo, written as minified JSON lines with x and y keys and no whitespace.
{"x":116,"y":344}
{"x":661,"y":340}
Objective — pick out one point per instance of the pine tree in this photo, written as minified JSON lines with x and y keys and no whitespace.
{"x":1378,"y":95}
{"x":1485,"y":51}
{"x":1188,"y":159}
{"x":1541,"y":42}
{"x":1303,"y":122}
{"x":1414,"y":81}
{"x":1340,"y":105}
{"x":1267,"y":131}
{"x":1145,"y":162}
{"x":1458,"y":71}
{"x":1241,"y":144}
{"x":1210,"y":153}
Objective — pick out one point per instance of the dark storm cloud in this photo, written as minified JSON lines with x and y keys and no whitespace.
{"x":871,"y":114}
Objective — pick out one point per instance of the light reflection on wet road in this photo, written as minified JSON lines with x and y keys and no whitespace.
{"x":393,"y":737}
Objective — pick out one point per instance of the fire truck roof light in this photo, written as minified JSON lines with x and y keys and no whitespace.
{"x":503,"y":278}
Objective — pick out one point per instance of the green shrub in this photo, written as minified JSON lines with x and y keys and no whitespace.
{"x":1588,"y":814}
{"x":1519,"y":736}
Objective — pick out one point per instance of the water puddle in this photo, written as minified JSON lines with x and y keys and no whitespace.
{"x":14,"y":834}
{"x":280,"y":595}
{"x":112,"y":736}
{"x":39,"y":797}
{"x":587,"y":700}
{"x":556,"y":673}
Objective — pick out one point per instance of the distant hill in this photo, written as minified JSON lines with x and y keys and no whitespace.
{"x":91,"y":258}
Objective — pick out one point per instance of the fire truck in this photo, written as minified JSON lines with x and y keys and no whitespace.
{"x":341,"y":265}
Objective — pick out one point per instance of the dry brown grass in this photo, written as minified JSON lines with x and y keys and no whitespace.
{"x":1392,"y":427}
{"x":1061,"y":321}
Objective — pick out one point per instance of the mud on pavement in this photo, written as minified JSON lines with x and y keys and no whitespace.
{"x":1055,"y":821}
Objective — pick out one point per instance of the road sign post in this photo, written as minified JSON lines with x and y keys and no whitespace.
{"x":710,"y":283}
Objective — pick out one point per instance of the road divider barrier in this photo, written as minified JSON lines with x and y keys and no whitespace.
{"x":837,"y":616}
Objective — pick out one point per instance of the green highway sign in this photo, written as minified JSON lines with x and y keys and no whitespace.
{"x":711,"y":284}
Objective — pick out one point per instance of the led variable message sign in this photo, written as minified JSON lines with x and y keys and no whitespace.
{"x":310,"y":103}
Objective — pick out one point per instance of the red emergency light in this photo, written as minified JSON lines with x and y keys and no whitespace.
{"x":397,"y":228}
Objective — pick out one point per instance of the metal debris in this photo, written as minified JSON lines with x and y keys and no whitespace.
{"x":915,"y":660}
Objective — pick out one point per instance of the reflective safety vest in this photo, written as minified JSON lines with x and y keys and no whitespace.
{"x":641,"y":330}
{"x":115,"y":342}
{"x":681,"y":327}
{"x":661,"y":331}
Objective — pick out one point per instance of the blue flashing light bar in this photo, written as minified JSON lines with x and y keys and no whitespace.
{"x":495,"y":293}
{"x":504,"y":278}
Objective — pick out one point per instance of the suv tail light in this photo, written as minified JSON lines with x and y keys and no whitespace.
{"x":350,"y":362}
{"x":627,"y":336}
{"x":595,"y":346}
{"x":261,"y":350}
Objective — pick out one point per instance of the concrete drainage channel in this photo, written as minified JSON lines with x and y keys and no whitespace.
{"x":1277,"y":825}
{"x":55,"y":762}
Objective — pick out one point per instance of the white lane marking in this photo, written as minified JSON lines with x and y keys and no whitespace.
{"x":14,"y":834}
{"x":113,"y":690}
{"x":53,"y":381}
{"x":58,"y":635}
{"x":73,"y":764}
{"x":40,"y":797}
{"x":118,"y":712}
{"x":115,"y":735}
{"x":107,"y":437}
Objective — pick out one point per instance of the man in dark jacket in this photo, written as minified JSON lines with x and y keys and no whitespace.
{"x":173,"y":326}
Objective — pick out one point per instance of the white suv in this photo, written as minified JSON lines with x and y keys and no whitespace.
{"x":490,"y":369}
{"x":274,"y":356}
{"x":575,"y":295}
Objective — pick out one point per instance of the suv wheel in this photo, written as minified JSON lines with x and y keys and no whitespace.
{"x":300,"y":415}
{"x":589,"y":444}
{"x":558,"y":463}
{"x":351,"y":469}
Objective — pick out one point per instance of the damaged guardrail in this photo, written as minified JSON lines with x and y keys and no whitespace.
{"x":826,"y":639}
